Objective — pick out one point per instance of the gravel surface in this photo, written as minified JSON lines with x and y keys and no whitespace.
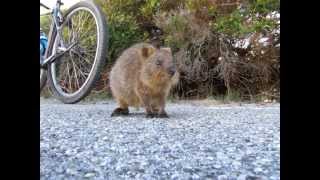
{"x":219,"y":142}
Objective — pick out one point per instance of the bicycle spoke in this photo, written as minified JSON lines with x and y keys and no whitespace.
{"x":81,"y":69}
{"x":75,"y":73}
{"x":83,"y":22}
{"x":86,"y":33}
{"x":85,"y":59}
{"x":65,"y":78}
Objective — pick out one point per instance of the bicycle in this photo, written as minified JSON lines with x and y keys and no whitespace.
{"x":73,"y":59}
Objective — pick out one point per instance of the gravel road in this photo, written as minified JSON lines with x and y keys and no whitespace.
{"x":218,"y":142}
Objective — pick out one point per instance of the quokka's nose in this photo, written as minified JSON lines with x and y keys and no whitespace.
{"x":172,"y":70}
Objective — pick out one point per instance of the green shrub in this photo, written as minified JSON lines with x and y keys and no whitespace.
{"x":45,"y":22}
{"x":205,"y":56}
{"x":249,"y":20}
{"x":263,"y":6}
{"x":176,"y":28}
{"x":124,"y":32}
{"x":122,"y":24}
{"x":232,"y":24}
{"x":149,"y":8}
{"x":204,"y":8}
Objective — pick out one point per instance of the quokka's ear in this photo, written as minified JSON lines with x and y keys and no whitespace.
{"x":167,"y":49}
{"x":147,"y":51}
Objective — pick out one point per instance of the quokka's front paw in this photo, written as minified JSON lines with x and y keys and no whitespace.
{"x":163,"y":115}
{"x":150,"y":115}
{"x":119,"y":112}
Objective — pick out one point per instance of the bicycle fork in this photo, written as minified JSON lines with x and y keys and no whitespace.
{"x":55,"y":28}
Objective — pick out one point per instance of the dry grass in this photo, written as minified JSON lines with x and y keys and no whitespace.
{"x":210,"y":65}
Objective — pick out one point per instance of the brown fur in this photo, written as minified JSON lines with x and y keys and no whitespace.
{"x":141,"y":78}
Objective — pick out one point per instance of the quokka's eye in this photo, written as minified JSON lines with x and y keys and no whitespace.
{"x":158,"y":62}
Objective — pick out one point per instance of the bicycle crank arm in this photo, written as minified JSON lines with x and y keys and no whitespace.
{"x":56,"y":56}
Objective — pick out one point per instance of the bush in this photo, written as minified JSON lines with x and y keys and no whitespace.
{"x":122,"y":24}
{"x":124,"y":32}
{"x":247,"y":19}
{"x":45,"y":22}
{"x":205,"y":52}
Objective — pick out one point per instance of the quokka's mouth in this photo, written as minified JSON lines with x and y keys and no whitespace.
{"x":172,"y":71}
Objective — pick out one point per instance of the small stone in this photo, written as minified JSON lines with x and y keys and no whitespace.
{"x":188,"y":169}
{"x":257,"y":170}
{"x":238,"y":157}
{"x":236,"y":164}
{"x":105,"y":138}
{"x":273,"y":178}
{"x":217,"y":166}
{"x":59,"y":170}
{"x":89,"y":175}
{"x":253,"y":178}
{"x":210,"y":158}
{"x":195,"y":176}
{"x":265,"y":161}
{"x":175,"y":176}
{"x":242,"y":177}
{"x":222,"y":177}
{"x":103,"y":163}
{"x":69,"y":152}
{"x":221,"y":156}
{"x":233,"y":178}
{"x":249,"y":151}
{"x":231,"y":149}
{"x":71,"y":171}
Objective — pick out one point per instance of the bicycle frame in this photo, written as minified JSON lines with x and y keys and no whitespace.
{"x":55,"y":31}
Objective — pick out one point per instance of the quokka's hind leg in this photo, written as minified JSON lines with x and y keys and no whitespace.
{"x":122,"y":110}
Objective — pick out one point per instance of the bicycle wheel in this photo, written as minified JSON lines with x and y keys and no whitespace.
{"x":73,"y":75}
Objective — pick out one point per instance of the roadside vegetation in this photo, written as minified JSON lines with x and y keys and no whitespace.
{"x":224,"y":49}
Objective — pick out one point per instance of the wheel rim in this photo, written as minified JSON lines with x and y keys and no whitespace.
{"x":72,"y":72}
{"x":42,"y":76}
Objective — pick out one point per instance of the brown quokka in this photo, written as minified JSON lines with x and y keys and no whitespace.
{"x":142,"y":77}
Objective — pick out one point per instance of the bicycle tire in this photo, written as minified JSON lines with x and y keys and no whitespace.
{"x":43,"y":79}
{"x":100,"y":60}
{"x":44,"y":75}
